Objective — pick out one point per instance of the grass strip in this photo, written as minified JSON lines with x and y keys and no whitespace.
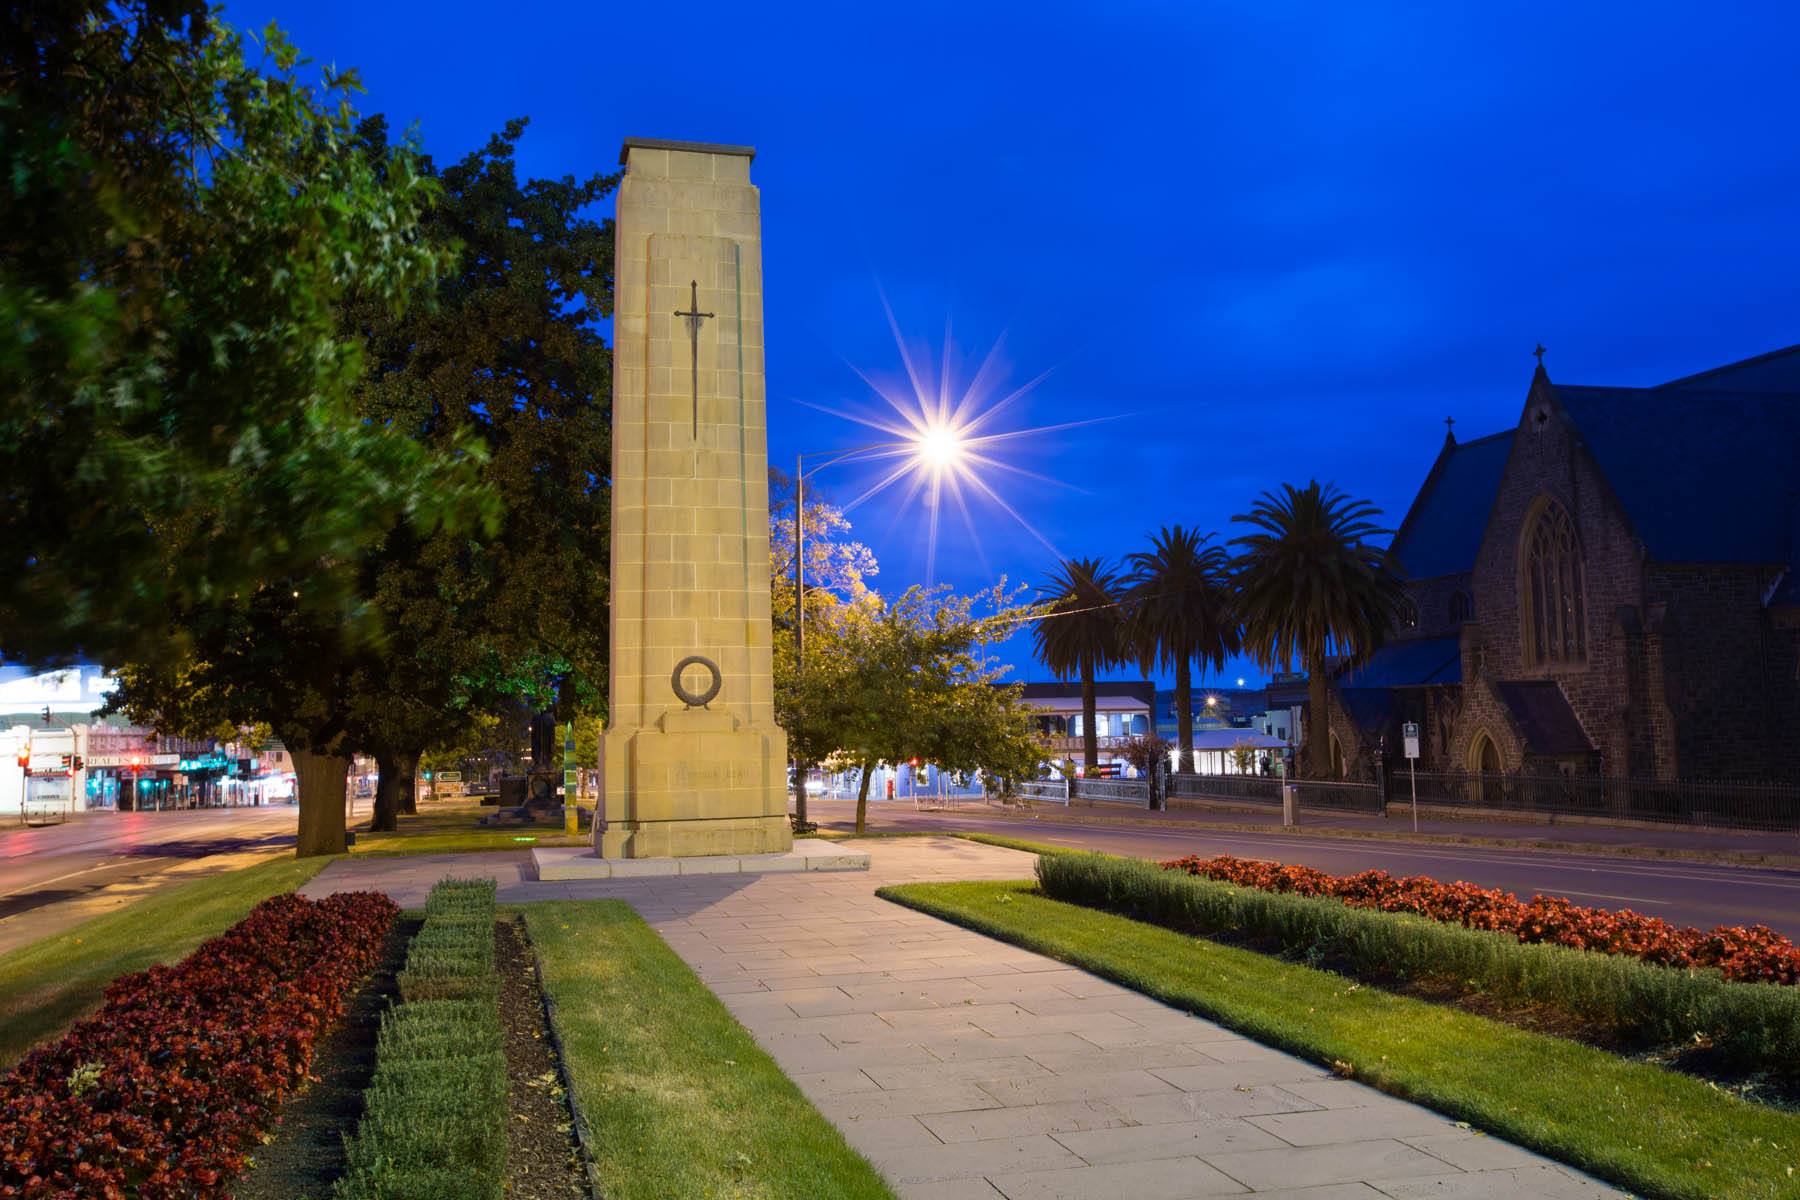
{"x":434,"y":1117}
{"x":1751,"y":1025}
{"x":681,"y":1100}
{"x":443,"y":827}
{"x":48,"y":985}
{"x":1654,"y":1131}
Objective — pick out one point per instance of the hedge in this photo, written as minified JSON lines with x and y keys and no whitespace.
{"x":1753,"y":1025}
{"x":434,"y":1118}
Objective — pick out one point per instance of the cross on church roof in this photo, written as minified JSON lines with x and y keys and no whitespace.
{"x":1539,"y":354}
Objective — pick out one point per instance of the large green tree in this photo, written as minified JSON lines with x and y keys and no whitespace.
{"x":1081,"y":633}
{"x":181,"y":225}
{"x":1179,"y":607}
{"x":503,"y":349}
{"x":910,"y":679}
{"x":1312,"y":583}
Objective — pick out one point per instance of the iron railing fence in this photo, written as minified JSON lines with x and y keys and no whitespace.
{"x":1052,"y":791}
{"x":1772,"y":806}
{"x":1341,"y":795}
{"x":1259,"y":789}
{"x":1115,"y":791}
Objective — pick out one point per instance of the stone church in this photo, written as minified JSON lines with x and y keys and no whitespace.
{"x":1608,"y":587}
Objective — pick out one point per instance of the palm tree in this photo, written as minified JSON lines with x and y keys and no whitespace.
{"x":1079,"y":633}
{"x":1181,"y":610}
{"x":1310,"y":584}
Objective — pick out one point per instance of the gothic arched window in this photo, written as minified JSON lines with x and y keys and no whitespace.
{"x":1462,"y":607}
{"x":1554,"y":608}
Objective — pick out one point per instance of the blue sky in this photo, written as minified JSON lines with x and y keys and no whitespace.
{"x":1268,"y":241}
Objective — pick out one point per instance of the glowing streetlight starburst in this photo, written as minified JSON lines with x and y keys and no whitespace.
{"x":946,"y":439}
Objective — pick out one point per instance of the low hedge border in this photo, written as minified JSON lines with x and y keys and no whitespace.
{"x":1744,"y":954}
{"x":164,"y":1091}
{"x":1753,"y":1025}
{"x":434,"y":1118}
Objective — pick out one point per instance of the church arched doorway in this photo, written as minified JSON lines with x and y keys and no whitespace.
{"x":1339,"y":769}
{"x":1484,"y":759}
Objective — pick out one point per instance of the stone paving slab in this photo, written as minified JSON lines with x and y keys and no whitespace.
{"x":964,"y":1068}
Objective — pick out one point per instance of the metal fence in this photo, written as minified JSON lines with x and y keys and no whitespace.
{"x":1341,"y":796}
{"x":1050,"y":791}
{"x":1114,"y":791}
{"x":1675,"y":802}
{"x":1256,"y":789}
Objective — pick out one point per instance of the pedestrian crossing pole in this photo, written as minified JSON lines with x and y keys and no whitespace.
{"x":571,"y":783}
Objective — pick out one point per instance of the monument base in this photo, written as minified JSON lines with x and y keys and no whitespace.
{"x":552,"y":863}
{"x":693,"y":783}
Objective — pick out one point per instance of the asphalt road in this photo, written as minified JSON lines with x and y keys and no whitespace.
{"x":49,"y":869}
{"x":1687,"y":894}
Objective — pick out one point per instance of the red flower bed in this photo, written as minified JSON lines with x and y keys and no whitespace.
{"x":1757,"y":954}
{"x":162,"y":1092}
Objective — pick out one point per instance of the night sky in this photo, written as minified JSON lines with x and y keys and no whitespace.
{"x":1266,"y":242}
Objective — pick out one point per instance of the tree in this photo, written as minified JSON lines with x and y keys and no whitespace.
{"x":178,"y":233}
{"x":1081,"y":633}
{"x":837,"y":573}
{"x":1311,"y":584}
{"x":501,"y":349}
{"x":906,"y":680}
{"x":1180,"y":610}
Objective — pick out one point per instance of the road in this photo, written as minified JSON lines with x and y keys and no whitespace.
{"x":54,"y":875}
{"x":1687,"y":894}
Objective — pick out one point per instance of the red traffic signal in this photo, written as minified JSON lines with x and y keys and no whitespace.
{"x":915,"y":762}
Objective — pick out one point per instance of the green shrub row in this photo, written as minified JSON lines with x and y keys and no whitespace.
{"x":434,"y":1119}
{"x":1754,"y":1025}
{"x":464,"y":897}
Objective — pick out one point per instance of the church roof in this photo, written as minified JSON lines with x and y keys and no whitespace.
{"x":1544,"y":719}
{"x":1776,"y":371}
{"x":1705,"y":476}
{"x":1442,"y":531}
{"x":1411,"y":663}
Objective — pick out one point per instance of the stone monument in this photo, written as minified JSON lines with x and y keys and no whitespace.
{"x":692,"y":761}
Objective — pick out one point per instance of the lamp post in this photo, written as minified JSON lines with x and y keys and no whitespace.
{"x":937,"y":447}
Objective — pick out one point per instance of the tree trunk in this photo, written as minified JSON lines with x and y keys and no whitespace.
{"x":320,"y":785}
{"x":387,"y":795}
{"x":1090,"y":741}
{"x":1318,"y":723}
{"x":1184,"y":714}
{"x":409,"y":782}
{"x":862,"y":795}
{"x":800,"y":769}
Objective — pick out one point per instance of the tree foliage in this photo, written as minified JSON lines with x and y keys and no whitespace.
{"x":1312,"y":583}
{"x":503,"y":349}
{"x":1180,"y":610}
{"x":892,"y":682}
{"x":182,"y":223}
{"x":1081,"y":632}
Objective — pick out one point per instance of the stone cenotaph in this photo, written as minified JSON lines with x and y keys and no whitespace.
{"x":693,"y":766}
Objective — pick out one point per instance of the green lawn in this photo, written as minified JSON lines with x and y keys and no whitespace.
{"x":49,"y":984}
{"x":682,"y":1101}
{"x":1652,"y":1130}
{"x":451,"y":827}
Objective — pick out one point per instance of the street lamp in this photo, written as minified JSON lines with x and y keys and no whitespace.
{"x":937,"y":448}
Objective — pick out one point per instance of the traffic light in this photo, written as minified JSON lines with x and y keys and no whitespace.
{"x":25,"y":757}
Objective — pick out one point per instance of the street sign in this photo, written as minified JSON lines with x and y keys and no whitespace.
{"x":1410,"y":732}
{"x":449,"y":777}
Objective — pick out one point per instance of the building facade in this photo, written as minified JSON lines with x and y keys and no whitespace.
{"x":1608,"y":587}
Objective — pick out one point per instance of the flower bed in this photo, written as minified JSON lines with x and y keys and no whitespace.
{"x":1748,"y":955}
{"x":162,"y":1093}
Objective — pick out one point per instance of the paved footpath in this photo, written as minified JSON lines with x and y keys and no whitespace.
{"x":968,"y":1069}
